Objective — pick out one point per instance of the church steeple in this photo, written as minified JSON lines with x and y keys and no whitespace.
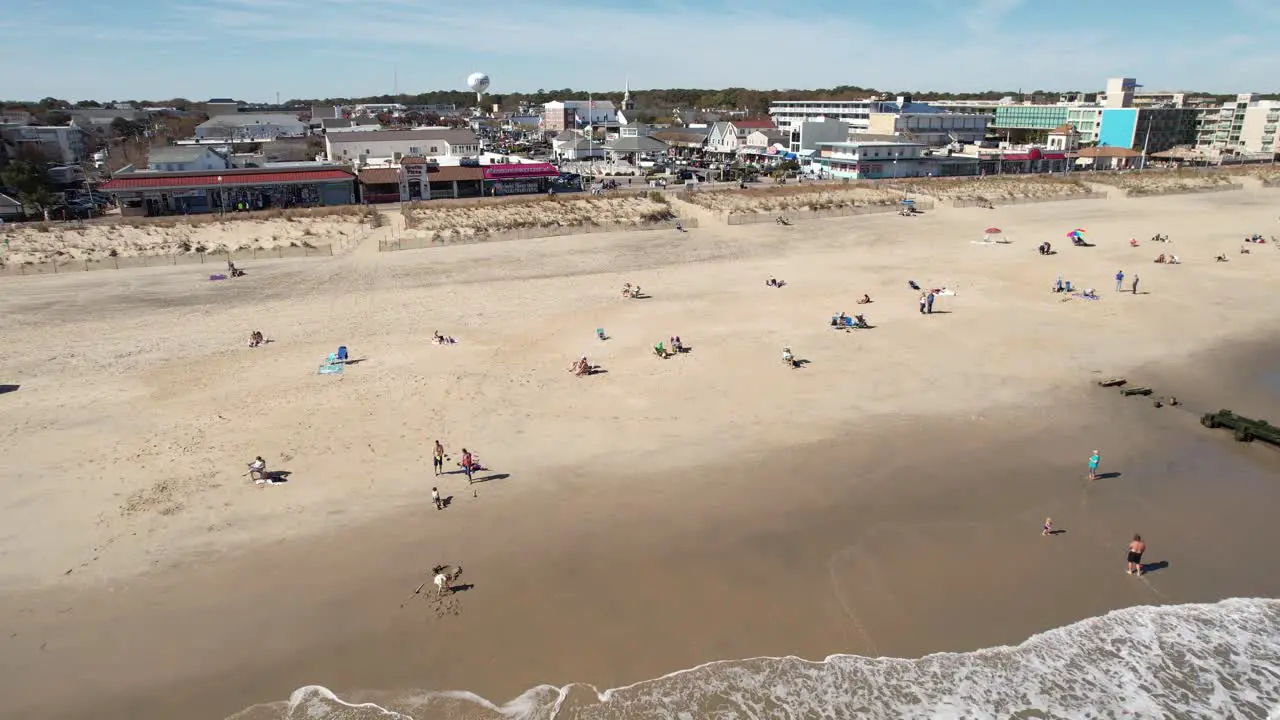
{"x":627,"y":102}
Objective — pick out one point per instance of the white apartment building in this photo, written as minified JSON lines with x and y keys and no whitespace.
{"x":364,"y":148}
{"x":1260,"y":131}
{"x":806,"y":136}
{"x":59,"y":143}
{"x":871,"y":160}
{"x":186,"y":158}
{"x":1246,"y":123}
{"x":902,"y":116}
{"x":857,"y":113}
{"x":250,"y":127}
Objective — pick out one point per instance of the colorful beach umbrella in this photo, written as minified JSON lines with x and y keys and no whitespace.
{"x":1077,"y":233}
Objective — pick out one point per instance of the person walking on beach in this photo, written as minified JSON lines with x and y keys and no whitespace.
{"x":435,"y":498}
{"x":929,"y":302}
{"x":1135,"y":284}
{"x":1048,"y":527}
{"x":1136,"y":548}
{"x":1119,"y":280}
{"x":923,"y":302}
{"x":437,"y":460}
{"x":468,"y":465}
{"x":1094,"y":459}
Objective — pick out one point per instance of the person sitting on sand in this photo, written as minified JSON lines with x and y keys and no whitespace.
{"x":1133,"y":242}
{"x":1160,"y":259}
{"x":255,"y":339}
{"x":1173,"y":260}
{"x":1089,"y":293}
{"x":626,"y":290}
{"x":677,"y":346}
{"x":1221,"y":258}
{"x":661,"y":350}
{"x":789,"y":358}
{"x":258,"y":470}
{"x":864,"y":300}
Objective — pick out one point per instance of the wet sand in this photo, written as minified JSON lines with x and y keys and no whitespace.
{"x":885,"y":500}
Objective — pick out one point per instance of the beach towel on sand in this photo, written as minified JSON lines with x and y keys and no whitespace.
{"x":330,"y":369}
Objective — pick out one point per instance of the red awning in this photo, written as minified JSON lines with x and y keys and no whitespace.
{"x":148,"y":181}
{"x":520,"y":171}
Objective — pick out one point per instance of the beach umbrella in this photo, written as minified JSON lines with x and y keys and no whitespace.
{"x":908,"y":201}
{"x":992,"y":231}
{"x":1078,"y":233}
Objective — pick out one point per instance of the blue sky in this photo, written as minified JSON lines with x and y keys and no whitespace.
{"x":250,"y":49}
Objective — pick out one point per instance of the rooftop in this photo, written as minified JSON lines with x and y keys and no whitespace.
{"x":753,"y":124}
{"x":636,"y":144}
{"x":380,"y":176}
{"x":1107,"y":152}
{"x":177,"y":153}
{"x":222,"y":178}
{"x":870,"y":143}
{"x":246,"y":119}
{"x":448,"y":135}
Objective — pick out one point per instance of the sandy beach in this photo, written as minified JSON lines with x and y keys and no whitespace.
{"x":883,"y":500}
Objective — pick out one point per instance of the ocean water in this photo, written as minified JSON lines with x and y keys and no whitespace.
{"x":1172,"y":661}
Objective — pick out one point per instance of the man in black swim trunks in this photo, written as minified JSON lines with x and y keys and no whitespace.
{"x":437,"y":458}
{"x":1136,"y":548}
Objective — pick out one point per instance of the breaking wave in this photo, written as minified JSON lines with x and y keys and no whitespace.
{"x":1173,"y":661}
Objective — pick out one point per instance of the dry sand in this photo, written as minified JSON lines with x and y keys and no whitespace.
{"x":662,"y":514}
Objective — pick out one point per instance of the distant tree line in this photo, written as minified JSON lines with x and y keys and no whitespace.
{"x":756,"y":102}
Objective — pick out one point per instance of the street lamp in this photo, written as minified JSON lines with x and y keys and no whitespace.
{"x":222,"y":198}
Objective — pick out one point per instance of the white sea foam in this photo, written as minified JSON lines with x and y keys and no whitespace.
{"x":1173,"y":661}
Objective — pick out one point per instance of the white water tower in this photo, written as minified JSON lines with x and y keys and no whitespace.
{"x":478,"y":82}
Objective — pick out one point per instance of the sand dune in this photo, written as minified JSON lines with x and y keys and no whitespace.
{"x":792,"y":198}
{"x":95,"y":240}
{"x":995,"y":187}
{"x":1160,"y":182}
{"x":453,"y":221}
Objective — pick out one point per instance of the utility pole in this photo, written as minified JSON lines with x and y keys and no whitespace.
{"x":1146,"y":143}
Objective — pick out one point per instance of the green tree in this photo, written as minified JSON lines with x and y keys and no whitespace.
{"x":31,"y":182}
{"x":126,"y":128}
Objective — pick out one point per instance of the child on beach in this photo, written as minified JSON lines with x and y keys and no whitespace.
{"x":1048,"y":527}
{"x":1094,"y":459}
{"x":435,"y":497}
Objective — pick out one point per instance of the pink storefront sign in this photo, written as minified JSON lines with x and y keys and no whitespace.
{"x":526,"y":170}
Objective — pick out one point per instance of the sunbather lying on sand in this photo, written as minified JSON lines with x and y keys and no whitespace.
{"x":442,"y":339}
{"x":256,"y":339}
{"x":865,"y":300}
{"x":580,"y":367}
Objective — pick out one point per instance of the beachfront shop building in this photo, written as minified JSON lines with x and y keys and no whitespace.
{"x":520,"y":179}
{"x":869,"y":160}
{"x":147,"y":193}
{"x":422,"y":179}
